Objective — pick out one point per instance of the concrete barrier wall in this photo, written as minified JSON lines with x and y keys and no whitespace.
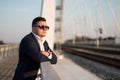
{"x":48,"y":72}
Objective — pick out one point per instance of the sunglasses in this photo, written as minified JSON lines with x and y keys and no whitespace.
{"x":44,"y":27}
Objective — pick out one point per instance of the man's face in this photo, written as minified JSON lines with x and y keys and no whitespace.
{"x":40,"y":31}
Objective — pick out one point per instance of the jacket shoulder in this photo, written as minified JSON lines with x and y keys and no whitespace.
{"x":28,"y":37}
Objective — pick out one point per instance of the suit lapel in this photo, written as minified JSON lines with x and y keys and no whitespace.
{"x":45,"y":45}
{"x":35,"y":40}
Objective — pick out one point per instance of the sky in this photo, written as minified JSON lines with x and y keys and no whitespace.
{"x":81,"y":17}
{"x":16,"y":17}
{"x":85,"y":17}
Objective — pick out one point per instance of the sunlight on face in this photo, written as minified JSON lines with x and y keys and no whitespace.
{"x":41,"y":32}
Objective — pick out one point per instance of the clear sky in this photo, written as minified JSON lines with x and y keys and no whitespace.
{"x":16,"y":17}
{"x":80,"y":17}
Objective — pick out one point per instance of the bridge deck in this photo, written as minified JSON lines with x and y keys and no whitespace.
{"x":7,"y":67}
{"x":68,"y":70}
{"x":65,"y":68}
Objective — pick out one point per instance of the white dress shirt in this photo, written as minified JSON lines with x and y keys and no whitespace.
{"x":41,"y":41}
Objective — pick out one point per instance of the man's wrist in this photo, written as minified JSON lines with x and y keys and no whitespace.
{"x":50,"y":55}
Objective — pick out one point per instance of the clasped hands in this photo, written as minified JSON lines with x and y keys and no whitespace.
{"x":45,"y":53}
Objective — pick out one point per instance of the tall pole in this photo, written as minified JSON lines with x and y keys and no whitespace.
{"x":61,"y":23}
{"x":41,"y":7}
{"x":59,"y":19}
{"x":100,"y":15}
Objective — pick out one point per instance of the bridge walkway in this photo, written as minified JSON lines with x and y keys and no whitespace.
{"x":65,"y":68}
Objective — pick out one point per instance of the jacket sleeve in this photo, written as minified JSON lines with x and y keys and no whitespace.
{"x":53,"y":60}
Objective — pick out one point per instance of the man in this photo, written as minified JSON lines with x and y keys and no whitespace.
{"x":32,"y":51}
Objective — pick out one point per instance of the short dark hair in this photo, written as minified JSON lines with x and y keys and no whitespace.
{"x":35,"y":20}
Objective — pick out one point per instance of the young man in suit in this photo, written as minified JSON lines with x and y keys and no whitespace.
{"x":33,"y":50}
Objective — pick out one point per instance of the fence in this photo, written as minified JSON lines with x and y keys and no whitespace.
{"x":8,"y":50}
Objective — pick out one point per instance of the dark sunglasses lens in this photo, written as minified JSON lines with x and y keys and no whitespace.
{"x":43,"y":27}
{"x":47,"y":27}
{"x":40,"y":27}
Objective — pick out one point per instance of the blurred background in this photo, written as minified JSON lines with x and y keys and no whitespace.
{"x":75,"y":20}
{"x":85,"y":35}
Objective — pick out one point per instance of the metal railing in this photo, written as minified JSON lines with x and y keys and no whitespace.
{"x":8,"y":50}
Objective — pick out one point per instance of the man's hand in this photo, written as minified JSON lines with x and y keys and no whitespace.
{"x":45,"y":53}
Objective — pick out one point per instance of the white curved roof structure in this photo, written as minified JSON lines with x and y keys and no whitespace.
{"x":48,"y":11}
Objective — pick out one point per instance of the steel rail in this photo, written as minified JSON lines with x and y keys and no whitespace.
{"x":112,"y":61}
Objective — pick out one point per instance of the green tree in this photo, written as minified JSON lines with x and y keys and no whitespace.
{"x":1,"y":42}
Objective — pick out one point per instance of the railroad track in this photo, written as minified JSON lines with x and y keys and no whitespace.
{"x":107,"y":56}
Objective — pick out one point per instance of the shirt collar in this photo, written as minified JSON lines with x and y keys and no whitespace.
{"x":38,"y":38}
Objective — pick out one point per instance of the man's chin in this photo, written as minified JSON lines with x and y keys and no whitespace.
{"x":43,"y":35}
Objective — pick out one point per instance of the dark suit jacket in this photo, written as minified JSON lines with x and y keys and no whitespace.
{"x":30,"y":58}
